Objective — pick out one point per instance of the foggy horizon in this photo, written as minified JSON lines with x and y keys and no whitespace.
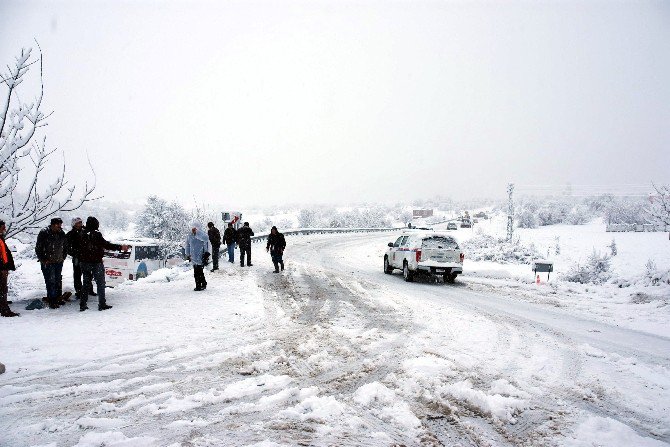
{"x":328,"y":103}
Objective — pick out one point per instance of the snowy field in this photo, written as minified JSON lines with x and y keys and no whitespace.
{"x":334,"y":352}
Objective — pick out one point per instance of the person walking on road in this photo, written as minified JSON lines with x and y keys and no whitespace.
{"x":6,"y":264}
{"x":215,"y":240}
{"x":276,"y":245}
{"x":197,"y":252}
{"x":51,"y":250}
{"x":230,"y":236}
{"x":93,"y":246}
{"x":244,"y":241}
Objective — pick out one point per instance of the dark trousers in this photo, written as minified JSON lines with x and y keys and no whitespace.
{"x":215,"y":256}
{"x":76,"y":274}
{"x":199,"y":275}
{"x":231,"y":252}
{"x":4,"y":290}
{"x":244,"y":250}
{"x":277,"y":258}
{"x":92,"y":271}
{"x":53,"y":280}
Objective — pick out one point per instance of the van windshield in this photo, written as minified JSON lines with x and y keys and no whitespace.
{"x":439,"y":243}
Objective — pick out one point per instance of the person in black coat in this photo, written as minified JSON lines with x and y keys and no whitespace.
{"x":74,"y":250}
{"x":6,"y":264}
{"x":51,"y":250}
{"x":93,"y":247}
{"x":215,"y":241}
{"x":230,"y":236}
{"x":244,"y":241}
{"x":276,"y":245}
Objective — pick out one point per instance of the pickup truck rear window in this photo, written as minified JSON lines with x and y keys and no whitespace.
{"x":439,"y":243}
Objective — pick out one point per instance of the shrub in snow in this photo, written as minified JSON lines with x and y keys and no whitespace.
{"x":613,"y":247}
{"x":579,"y":215}
{"x":526,"y":219}
{"x":484,"y":247}
{"x":594,"y":271}
{"x":557,"y":241}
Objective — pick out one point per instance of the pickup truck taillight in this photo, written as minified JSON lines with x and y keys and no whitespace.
{"x":462,"y":257}
{"x":418,"y":255}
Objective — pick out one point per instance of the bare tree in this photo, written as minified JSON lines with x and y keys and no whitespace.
{"x":27,"y":199}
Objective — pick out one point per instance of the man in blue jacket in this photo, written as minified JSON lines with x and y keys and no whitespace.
{"x":197,"y":251}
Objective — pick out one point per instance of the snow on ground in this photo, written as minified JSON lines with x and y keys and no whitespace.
{"x":334,"y":352}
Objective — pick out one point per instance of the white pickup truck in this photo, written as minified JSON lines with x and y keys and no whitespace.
{"x":425,"y":252}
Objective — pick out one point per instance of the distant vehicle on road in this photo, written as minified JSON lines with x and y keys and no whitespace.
{"x":452,"y":226}
{"x":466,"y":223}
{"x":428,"y":253}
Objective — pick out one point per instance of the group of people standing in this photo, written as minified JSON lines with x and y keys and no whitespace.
{"x":197,"y":248}
{"x":84,"y":244}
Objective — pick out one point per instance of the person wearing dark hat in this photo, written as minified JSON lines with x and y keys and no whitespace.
{"x":51,"y":250}
{"x":215,"y":241}
{"x":244,"y":241}
{"x":93,"y":247}
{"x":276,"y":245}
{"x":6,"y":264}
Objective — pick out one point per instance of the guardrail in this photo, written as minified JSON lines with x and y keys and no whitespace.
{"x":306,"y":231}
{"x":618,"y":228}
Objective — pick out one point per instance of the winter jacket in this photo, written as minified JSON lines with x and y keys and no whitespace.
{"x":93,"y":245}
{"x":6,"y":258}
{"x":51,"y":247}
{"x":74,"y":242}
{"x":230,"y":235}
{"x":214,"y":237}
{"x":197,"y":245}
{"x":276,"y":242}
{"x":244,"y":237}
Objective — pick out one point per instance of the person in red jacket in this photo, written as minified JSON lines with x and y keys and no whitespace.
{"x":6,"y":264}
{"x":93,"y":247}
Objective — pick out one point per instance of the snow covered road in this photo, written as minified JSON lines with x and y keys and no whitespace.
{"x":331,"y":352}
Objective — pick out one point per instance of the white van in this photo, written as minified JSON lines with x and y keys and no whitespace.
{"x":429,"y":253}
{"x":142,"y":259}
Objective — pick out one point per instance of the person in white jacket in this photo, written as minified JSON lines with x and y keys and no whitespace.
{"x":197,"y":251}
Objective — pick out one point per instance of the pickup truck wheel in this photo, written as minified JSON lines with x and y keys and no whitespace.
{"x":387,"y":268}
{"x":450,"y":277}
{"x":406,"y":273}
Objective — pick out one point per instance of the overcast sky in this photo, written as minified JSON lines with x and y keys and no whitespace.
{"x":243,"y":103}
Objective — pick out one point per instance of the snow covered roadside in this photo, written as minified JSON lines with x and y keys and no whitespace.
{"x":332,"y":352}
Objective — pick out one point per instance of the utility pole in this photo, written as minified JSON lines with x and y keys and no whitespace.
{"x":510,"y":212}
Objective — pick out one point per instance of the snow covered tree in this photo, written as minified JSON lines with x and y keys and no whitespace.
{"x":526,"y":219}
{"x":27,"y":199}
{"x":659,"y":208}
{"x":307,"y":218}
{"x":166,"y":222}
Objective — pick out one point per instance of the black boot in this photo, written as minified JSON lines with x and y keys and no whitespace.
{"x":282,"y":265}
{"x":276,"y":267}
{"x":104,"y":307}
